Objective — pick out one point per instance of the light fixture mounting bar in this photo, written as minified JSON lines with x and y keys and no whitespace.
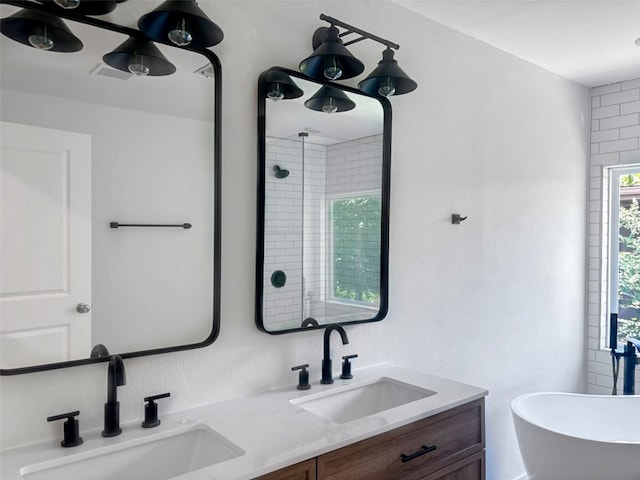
{"x":363,"y":34}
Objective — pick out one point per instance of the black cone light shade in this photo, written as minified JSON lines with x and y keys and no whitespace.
{"x":34,"y":28}
{"x":281,"y":86}
{"x":330,"y":100}
{"x":87,"y":7}
{"x":152,"y":58}
{"x":387,"y":78}
{"x":331,"y":54}
{"x":180,"y":21}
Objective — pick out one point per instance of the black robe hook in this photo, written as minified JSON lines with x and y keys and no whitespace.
{"x":456,"y":218}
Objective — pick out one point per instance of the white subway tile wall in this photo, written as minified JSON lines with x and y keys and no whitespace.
{"x":347,"y":167}
{"x":282,"y":235}
{"x":615,"y":140}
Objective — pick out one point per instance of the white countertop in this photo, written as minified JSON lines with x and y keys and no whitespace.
{"x":273,"y":432}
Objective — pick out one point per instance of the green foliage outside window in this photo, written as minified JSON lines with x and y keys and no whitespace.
{"x":629,"y":263}
{"x":356,"y":248}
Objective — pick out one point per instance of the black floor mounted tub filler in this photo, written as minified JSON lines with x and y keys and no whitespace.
{"x":630,"y":360}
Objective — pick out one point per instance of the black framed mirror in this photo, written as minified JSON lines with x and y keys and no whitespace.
{"x":324,"y":153}
{"x":110,"y":184}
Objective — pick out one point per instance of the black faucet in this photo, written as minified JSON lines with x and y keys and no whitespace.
{"x":115,"y":379}
{"x":327,"y":376}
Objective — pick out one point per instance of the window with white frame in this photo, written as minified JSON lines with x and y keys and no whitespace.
{"x":624,"y":249}
{"x":354,"y":240}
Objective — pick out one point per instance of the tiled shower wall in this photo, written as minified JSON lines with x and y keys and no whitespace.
{"x":347,"y":167}
{"x":283,"y":240}
{"x":615,"y":140}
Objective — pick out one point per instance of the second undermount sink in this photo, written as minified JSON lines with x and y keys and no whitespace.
{"x":353,"y":402}
{"x":158,"y":457}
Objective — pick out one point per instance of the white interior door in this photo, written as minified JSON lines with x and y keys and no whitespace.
{"x":45,"y":245}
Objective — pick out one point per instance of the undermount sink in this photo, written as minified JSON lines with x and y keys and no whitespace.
{"x":353,"y":402}
{"x":157,"y":457}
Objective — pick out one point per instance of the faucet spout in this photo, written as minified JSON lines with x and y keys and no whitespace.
{"x":327,"y":376}
{"x":327,"y":337}
{"x":115,"y":378}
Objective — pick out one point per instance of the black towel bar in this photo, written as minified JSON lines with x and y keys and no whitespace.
{"x":118,"y":225}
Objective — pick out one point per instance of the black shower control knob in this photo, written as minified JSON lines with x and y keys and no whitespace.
{"x":278,"y":279}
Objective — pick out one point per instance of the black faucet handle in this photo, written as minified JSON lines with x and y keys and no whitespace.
{"x":153,"y":398}
{"x":303,"y":376}
{"x":346,"y":367}
{"x":71,"y":428}
{"x":151,"y":410}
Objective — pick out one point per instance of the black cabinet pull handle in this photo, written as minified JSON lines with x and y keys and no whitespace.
{"x":424,"y":449}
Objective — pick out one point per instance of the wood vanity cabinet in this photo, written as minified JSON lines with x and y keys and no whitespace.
{"x":299,"y":471}
{"x":408,"y":453}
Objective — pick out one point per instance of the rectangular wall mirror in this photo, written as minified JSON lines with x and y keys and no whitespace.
{"x":323,"y":204}
{"x":110,"y":222}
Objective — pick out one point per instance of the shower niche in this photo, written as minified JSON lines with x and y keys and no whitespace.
{"x":323,"y":204}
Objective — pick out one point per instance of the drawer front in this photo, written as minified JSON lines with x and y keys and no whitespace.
{"x":410,"y":452}
{"x":299,"y":471}
{"x":470,"y":468}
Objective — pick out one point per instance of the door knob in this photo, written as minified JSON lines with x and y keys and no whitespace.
{"x":83,"y":308}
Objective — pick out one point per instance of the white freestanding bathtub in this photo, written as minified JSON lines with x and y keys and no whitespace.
{"x":565,"y":436}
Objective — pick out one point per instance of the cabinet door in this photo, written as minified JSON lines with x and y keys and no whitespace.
{"x":410,"y":452}
{"x":470,"y":468}
{"x":299,"y":471}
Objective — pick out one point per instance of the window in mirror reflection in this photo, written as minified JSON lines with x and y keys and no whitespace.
{"x":355,"y":240}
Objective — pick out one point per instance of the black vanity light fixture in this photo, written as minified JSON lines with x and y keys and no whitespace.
{"x":41,"y":31}
{"x":330,"y":100}
{"x":181,"y":23}
{"x":331,"y":60}
{"x":175,"y":22}
{"x":387,"y":78}
{"x":139,"y":57}
{"x":281,"y":86}
{"x":85,"y":7}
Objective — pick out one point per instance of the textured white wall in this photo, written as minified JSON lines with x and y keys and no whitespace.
{"x":497,"y":301}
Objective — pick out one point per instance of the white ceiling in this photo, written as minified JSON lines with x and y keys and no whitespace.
{"x":588,"y":41}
